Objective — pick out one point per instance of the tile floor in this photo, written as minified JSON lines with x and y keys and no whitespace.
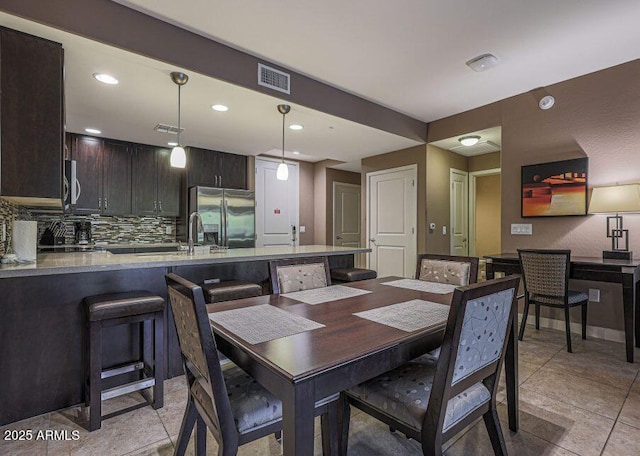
{"x":585,"y":403}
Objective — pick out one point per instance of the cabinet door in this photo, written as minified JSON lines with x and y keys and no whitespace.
{"x":233,"y":171}
{"x":31,"y":112}
{"x":203,"y":166}
{"x":144,"y":195}
{"x":116,"y":191}
{"x":169,"y":180}
{"x":87,"y":152}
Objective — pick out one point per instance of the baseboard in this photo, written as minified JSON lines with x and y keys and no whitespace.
{"x":614,"y":335}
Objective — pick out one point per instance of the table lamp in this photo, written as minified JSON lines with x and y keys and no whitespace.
{"x":616,"y":199}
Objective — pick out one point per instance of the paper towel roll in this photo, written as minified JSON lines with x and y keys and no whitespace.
{"x":24,"y":239}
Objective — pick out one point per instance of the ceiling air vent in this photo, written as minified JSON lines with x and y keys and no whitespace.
{"x":274,"y":79}
{"x":162,"y":128}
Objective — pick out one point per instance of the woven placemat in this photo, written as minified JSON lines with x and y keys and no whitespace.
{"x":262,"y":323}
{"x":421,"y":285}
{"x":408,"y":316}
{"x":325,"y":294}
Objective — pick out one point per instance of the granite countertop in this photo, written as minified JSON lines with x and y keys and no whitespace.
{"x":76,"y":262}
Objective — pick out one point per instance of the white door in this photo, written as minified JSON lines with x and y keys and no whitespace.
{"x":276,"y":204}
{"x":346,"y":215}
{"x":459,"y":207}
{"x":391,"y":221}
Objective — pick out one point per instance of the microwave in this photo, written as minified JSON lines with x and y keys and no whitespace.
{"x":71,"y":185}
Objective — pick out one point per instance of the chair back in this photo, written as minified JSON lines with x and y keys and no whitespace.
{"x":297,"y":274}
{"x":200,"y":356}
{"x":472,"y":352}
{"x":545,"y":272}
{"x":455,"y":270}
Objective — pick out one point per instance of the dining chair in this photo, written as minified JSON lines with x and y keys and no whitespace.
{"x":297,"y":274}
{"x":545,"y":274}
{"x":229,"y":402}
{"x":432,"y":402}
{"x":451,"y":269}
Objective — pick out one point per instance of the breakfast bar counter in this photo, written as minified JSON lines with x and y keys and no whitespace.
{"x":42,"y":323}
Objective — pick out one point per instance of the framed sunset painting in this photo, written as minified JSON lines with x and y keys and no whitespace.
{"x":555,"y":188}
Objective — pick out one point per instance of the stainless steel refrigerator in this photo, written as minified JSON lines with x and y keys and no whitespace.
{"x":228,"y":216}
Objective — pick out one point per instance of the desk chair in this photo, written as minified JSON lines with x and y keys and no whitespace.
{"x":297,"y":274}
{"x":230,"y":403}
{"x":432,"y":402}
{"x":545,"y":274}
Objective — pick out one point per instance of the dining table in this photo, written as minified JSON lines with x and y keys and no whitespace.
{"x":308,"y":345}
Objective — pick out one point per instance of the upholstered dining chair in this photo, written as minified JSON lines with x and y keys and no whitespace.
{"x":545,"y":274}
{"x":451,"y":269}
{"x":297,"y":274}
{"x":432,"y":402}
{"x":230,"y":403}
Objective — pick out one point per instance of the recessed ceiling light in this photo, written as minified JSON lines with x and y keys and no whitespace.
{"x":172,"y":144}
{"x":546,"y":102}
{"x":295,"y":152}
{"x":296,"y":127}
{"x":469,"y":140}
{"x":105,"y":78}
{"x":219,"y":107}
{"x":483,"y":62}
{"x":94,"y":131}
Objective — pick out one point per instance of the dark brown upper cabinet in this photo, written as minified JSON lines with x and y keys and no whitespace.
{"x":31,"y":109}
{"x":87,"y":152}
{"x":156,"y":185}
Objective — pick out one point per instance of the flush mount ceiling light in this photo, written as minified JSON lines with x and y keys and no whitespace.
{"x":470,"y":140}
{"x":178,"y":158}
{"x":105,"y":78}
{"x":546,"y":102}
{"x":282,"y":173}
{"x":219,"y":108}
{"x":94,"y":131}
{"x":483,"y":62}
{"x":295,"y":152}
{"x":172,"y":143}
{"x":296,"y":127}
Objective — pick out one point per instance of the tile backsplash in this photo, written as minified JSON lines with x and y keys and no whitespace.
{"x":8,"y":213}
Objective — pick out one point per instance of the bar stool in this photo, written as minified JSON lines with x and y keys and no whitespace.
{"x":119,"y":309}
{"x":230,"y":290}
{"x":343,"y":275}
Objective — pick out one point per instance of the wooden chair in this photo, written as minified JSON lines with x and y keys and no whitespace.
{"x":432,"y":403}
{"x":297,"y":274}
{"x":455,"y":270}
{"x":545,"y":274}
{"x":230,"y":403}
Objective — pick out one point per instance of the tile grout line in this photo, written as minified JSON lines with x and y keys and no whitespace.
{"x":619,"y":412}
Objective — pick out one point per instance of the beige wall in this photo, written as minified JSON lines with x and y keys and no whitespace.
{"x":335,"y":175}
{"x":487,"y":215}
{"x":483,"y":162}
{"x":596,"y":116}
{"x":307,"y":203}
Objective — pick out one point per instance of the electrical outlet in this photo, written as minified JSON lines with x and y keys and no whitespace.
{"x":594,"y":295}
{"x":522,"y":228}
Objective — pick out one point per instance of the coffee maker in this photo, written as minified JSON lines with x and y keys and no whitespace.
{"x":83,"y":233}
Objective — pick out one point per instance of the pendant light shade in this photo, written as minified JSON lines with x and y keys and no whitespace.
{"x":282,"y":173}
{"x":178,"y":157}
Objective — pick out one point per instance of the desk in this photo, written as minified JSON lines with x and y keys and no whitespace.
{"x":624,"y":272}
{"x":309,"y":366}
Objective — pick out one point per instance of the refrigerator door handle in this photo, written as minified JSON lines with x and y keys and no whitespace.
{"x":225,"y":208}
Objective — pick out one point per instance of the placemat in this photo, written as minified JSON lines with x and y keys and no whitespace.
{"x":422,"y":285}
{"x":262,"y":323}
{"x":325,"y":294}
{"x":408,"y":316}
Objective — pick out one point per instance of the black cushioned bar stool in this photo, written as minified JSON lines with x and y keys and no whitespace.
{"x":120,"y":309}
{"x":343,"y":275}
{"x":230,"y":290}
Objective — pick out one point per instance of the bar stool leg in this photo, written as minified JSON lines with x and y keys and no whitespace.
{"x":95,"y":375}
{"x":158,"y":360}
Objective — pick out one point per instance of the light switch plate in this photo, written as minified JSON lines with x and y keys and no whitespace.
{"x":168,"y":229}
{"x":522,"y":228}
{"x":444,"y":229}
{"x":303,"y":229}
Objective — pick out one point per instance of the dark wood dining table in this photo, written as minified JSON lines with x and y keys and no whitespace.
{"x":303,"y":368}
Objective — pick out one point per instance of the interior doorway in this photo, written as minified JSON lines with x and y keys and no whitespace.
{"x":485,"y":212}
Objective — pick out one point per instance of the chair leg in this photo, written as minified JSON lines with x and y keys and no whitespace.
{"x":201,"y":438}
{"x":188,"y":421}
{"x":537,"y":317}
{"x":525,"y":312}
{"x":567,"y":322}
{"x":584,"y":320}
{"x":95,"y":375}
{"x":344,"y":414}
{"x":158,"y":360}
{"x":330,"y":430}
{"x":492,"y":424}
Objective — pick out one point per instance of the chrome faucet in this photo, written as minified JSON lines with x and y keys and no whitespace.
{"x":192,"y":217}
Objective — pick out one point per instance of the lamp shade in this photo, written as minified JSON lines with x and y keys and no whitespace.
{"x":178,"y":158}
{"x":614,"y":199}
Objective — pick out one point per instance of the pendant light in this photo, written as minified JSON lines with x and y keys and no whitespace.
{"x":282,"y":173}
{"x":178,"y":157}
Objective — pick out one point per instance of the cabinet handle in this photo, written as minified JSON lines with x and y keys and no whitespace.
{"x":106,"y":204}
{"x":160,"y":206}
{"x":154,"y":206}
{"x":99,"y":203}
{"x":220,"y":180}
